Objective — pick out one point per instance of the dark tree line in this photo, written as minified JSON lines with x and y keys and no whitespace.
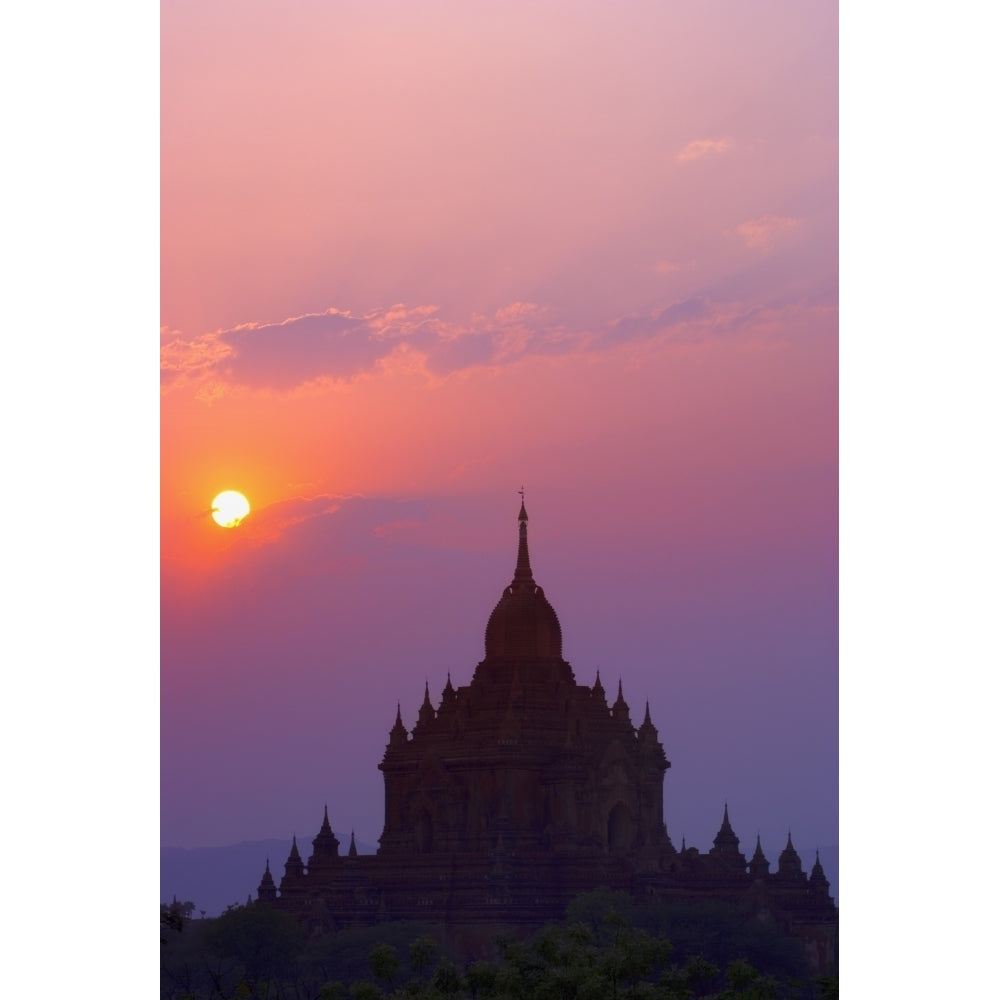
{"x":608,"y":947}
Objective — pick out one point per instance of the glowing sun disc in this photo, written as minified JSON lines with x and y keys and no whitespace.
{"x":229,"y":508}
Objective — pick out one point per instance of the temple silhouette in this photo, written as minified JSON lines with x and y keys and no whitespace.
{"x":522,"y":790}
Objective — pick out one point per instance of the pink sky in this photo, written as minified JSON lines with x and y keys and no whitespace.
{"x":415,"y":256}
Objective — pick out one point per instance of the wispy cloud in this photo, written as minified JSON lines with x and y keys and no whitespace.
{"x":666,"y":267}
{"x":759,"y":234}
{"x":334,"y":346}
{"x":700,"y":147}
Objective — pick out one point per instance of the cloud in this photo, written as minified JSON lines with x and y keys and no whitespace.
{"x":697,"y":149}
{"x":665,"y":267}
{"x":672,"y":318}
{"x":518,"y":312}
{"x":185,"y":359}
{"x":284,"y":355}
{"x":338,"y":347}
{"x":759,"y":234}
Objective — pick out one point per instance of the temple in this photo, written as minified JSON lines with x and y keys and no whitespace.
{"x":522,"y":790}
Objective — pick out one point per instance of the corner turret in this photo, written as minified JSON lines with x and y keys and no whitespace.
{"x":726,"y":843}
{"x":267,"y":889}
{"x":294,"y":868}
{"x":759,"y":865}
{"x":398,"y":734}
{"x":619,"y":710}
{"x":326,"y":847}
{"x":819,"y":884}
{"x":790,"y":864}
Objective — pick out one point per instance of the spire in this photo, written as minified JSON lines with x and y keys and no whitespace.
{"x":819,"y":884}
{"x":426,"y":713}
{"x":522,"y":572}
{"x":449,"y":698}
{"x":397,"y":735}
{"x":726,"y":830}
{"x":789,"y":862}
{"x":267,"y":889}
{"x":759,"y":865}
{"x":727,"y":844}
{"x":352,"y":851}
{"x":325,"y":844}
{"x":294,"y":868}
{"x":619,"y":711}
{"x":647,"y":731}
{"x":598,"y":689}
{"x":523,"y":624}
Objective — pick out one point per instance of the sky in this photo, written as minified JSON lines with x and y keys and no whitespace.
{"x":415,"y":257}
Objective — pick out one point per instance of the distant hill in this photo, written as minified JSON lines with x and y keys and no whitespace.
{"x":214,"y":877}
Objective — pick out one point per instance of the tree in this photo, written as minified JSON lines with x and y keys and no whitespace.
{"x":264,"y":941}
{"x":422,"y":951}
{"x":384,"y":962}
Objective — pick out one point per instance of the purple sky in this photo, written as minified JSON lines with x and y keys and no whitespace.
{"x":410,"y":263}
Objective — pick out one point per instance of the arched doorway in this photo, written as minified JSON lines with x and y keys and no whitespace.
{"x":423,"y":832}
{"x":621,"y":831}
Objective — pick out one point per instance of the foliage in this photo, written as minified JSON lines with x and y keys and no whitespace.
{"x":422,"y":951}
{"x":263,"y":940}
{"x":609,"y":949}
{"x":384,"y":962}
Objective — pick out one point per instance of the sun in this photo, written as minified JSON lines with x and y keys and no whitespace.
{"x":229,"y":508}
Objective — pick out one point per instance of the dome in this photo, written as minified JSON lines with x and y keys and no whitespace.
{"x":523,"y":624}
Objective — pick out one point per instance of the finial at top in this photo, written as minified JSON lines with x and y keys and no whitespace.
{"x":522,"y":572}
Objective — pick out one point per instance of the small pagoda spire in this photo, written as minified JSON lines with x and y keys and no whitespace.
{"x":598,"y":689}
{"x":726,"y":833}
{"x":759,"y":865}
{"x":649,"y":741}
{"x":789,"y":862}
{"x":294,"y":868}
{"x":619,"y":711}
{"x":449,"y":699}
{"x":325,"y":844}
{"x":398,"y":734}
{"x":426,"y":713}
{"x":352,"y":851}
{"x":819,"y":884}
{"x":267,"y":888}
{"x":726,"y":843}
